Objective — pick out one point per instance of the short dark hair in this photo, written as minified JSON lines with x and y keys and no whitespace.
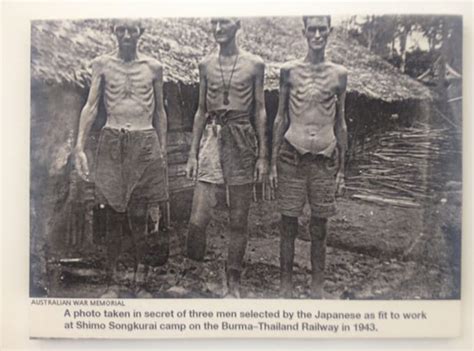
{"x":235,"y":19}
{"x":137,"y":22}
{"x":305,"y":19}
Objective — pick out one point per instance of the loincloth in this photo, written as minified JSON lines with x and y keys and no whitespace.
{"x":228,"y":149}
{"x":129,"y":167}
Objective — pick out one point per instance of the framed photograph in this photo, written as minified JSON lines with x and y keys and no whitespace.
{"x":294,"y":175}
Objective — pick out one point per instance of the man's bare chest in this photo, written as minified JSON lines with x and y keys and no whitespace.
{"x":131,"y":79}
{"x":239,"y":76}
{"x":311,"y":85}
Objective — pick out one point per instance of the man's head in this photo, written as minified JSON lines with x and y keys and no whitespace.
{"x":127,"y":33}
{"x":316,"y":31}
{"x":224,"y":28}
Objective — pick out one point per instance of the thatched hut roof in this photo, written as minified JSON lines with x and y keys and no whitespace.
{"x":62,"y":51}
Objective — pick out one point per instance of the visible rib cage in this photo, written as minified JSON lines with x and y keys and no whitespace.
{"x":312,"y":90}
{"x":129,"y":89}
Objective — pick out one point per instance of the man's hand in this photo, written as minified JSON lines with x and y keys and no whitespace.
{"x":191,"y":168}
{"x":261,"y":170}
{"x":81,"y":164}
{"x":340,"y":184}
{"x":273,"y":177}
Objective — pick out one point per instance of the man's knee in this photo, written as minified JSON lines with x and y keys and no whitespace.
{"x":288,"y":226}
{"x":137,"y":219}
{"x":203,"y":203}
{"x":239,"y":206}
{"x":239,"y":220}
{"x":318,"y":228}
{"x":199,"y":219}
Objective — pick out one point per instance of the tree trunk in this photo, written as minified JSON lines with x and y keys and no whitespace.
{"x":403,"y":47}
{"x":392,"y":48}
{"x":370,"y":32}
{"x":369,"y":40}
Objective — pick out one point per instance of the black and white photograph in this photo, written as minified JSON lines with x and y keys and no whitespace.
{"x":301,"y":157}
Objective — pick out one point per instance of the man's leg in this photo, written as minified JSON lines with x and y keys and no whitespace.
{"x":138,"y":217}
{"x":200,"y":217}
{"x":322,"y":200}
{"x":114,"y":222}
{"x":288,"y":232}
{"x":291,"y":195}
{"x":318,"y":230}
{"x":240,"y":198}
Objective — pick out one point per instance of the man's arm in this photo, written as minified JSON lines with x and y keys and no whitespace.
{"x":340,"y":131}
{"x":280,"y":125}
{"x":88,"y":114}
{"x":199,"y":123}
{"x":161,"y":120}
{"x":260,"y":123}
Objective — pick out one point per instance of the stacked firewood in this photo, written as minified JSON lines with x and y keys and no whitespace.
{"x":404,"y":167}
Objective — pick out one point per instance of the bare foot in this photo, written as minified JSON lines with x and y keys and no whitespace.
{"x":233,"y":284}
{"x":317,"y":293}
{"x":286,"y":286}
{"x":286,"y":293}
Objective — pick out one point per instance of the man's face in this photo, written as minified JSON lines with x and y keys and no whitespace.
{"x":127,"y":33}
{"x":317,"y":32}
{"x":224,"y":29}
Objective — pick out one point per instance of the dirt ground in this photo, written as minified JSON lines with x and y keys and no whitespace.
{"x":374,"y":252}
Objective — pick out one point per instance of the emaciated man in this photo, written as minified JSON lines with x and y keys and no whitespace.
{"x":309,"y":145}
{"x":130,"y":172}
{"x":224,"y":148}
